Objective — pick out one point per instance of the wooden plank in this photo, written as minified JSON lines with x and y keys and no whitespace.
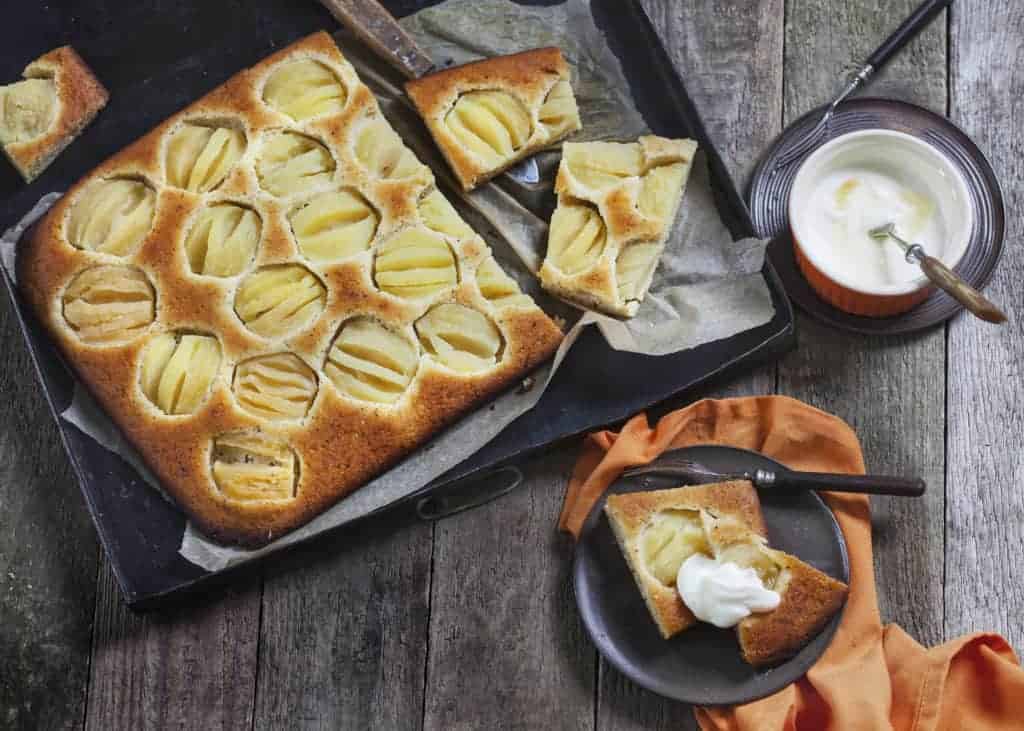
{"x":711,"y":44}
{"x":729,"y":55}
{"x":891,"y":390}
{"x":48,"y":557}
{"x":984,"y":531}
{"x":344,"y":631}
{"x":183,"y":667}
{"x":506,"y":642}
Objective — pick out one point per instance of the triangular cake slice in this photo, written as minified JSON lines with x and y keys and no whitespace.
{"x":808,"y":597}
{"x":659,"y":529}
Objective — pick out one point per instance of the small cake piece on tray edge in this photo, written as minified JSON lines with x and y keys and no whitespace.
{"x":487,"y":115}
{"x":43,"y":112}
{"x":617,"y":203}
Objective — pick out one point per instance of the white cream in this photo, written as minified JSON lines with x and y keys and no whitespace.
{"x":722,"y":593}
{"x":851,"y":200}
{"x":864,"y":179}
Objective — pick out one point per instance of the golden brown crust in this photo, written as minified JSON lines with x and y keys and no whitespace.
{"x":528,"y":76}
{"x":630,"y":514}
{"x":809,"y":599}
{"x":342,"y":442}
{"x":79,"y":97}
{"x":618,"y":203}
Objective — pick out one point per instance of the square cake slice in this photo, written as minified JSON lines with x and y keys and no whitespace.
{"x":659,"y":529}
{"x":808,"y":597}
{"x":617,"y":203}
{"x":488,"y":115}
{"x":49,"y":107}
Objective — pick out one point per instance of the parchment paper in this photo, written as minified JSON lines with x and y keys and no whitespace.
{"x":707,"y":287}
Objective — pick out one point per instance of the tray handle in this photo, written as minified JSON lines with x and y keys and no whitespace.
{"x":468,"y":493}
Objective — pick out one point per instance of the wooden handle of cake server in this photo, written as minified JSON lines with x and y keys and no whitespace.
{"x":378,"y":29}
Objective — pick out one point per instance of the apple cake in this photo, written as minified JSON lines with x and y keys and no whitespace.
{"x":488,"y":115}
{"x":40,"y":115}
{"x":658,"y":530}
{"x":272,"y":299}
{"x":808,"y":598}
{"x":617,"y":203}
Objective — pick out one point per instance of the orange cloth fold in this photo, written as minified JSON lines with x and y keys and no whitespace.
{"x":870,"y":677}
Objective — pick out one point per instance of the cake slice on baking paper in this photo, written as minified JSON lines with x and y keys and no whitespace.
{"x":617,"y":203}
{"x":488,"y":115}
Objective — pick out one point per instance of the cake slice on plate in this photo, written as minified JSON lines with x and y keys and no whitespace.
{"x":808,"y":598}
{"x":659,"y":529}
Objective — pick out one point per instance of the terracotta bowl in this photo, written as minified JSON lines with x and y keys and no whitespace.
{"x":877,"y":148}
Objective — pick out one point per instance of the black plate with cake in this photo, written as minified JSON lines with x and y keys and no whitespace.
{"x":785,"y":563}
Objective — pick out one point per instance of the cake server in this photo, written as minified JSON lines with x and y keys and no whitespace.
{"x":377,"y":28}
{"x":942,"y":276}
{"x":783,"y":479}
{"x":907,"y":31}
{"x":371,"y":23}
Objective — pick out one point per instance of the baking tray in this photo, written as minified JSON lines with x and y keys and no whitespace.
{"x":157,"y":56}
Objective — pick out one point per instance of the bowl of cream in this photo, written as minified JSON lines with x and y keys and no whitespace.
{"x":862,"y":180}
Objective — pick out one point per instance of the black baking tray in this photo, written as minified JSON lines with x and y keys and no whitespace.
{"x":156,"y":56}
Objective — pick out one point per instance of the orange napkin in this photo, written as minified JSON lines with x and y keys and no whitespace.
{"x":871,"y":677}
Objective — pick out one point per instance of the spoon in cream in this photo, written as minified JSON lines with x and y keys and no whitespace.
{"x":942,"y":276}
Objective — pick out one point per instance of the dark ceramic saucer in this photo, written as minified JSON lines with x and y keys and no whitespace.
{"x":768,"y":198}
{"x":701,"y":665}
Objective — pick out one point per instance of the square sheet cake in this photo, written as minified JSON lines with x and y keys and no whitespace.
{"x":271,"y":298}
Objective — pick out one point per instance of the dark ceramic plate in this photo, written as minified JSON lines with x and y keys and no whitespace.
{"x":701,"y":665}
{"x":769,"y":202}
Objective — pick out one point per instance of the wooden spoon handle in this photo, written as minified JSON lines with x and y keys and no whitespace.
{"x":947,"y":280}
{"x":378,"y":29}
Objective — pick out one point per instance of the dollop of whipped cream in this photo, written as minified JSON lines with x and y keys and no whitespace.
{"x":722,"y":593}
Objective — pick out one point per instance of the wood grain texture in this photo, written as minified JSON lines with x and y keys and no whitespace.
{"x":186,"y":667}
{"x":48,"y":557}
{"x":984,"y":530}
{"x":507,"y":648}
{"x":891,"y":390}
{"x":344,"y":632}
{"x":729,"y":56}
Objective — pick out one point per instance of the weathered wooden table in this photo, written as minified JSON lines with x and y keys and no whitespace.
{"x":470,"y":623}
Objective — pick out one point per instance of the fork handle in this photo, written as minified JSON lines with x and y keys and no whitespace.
{"x":867,"y":484}
{"x":907,"y":31}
